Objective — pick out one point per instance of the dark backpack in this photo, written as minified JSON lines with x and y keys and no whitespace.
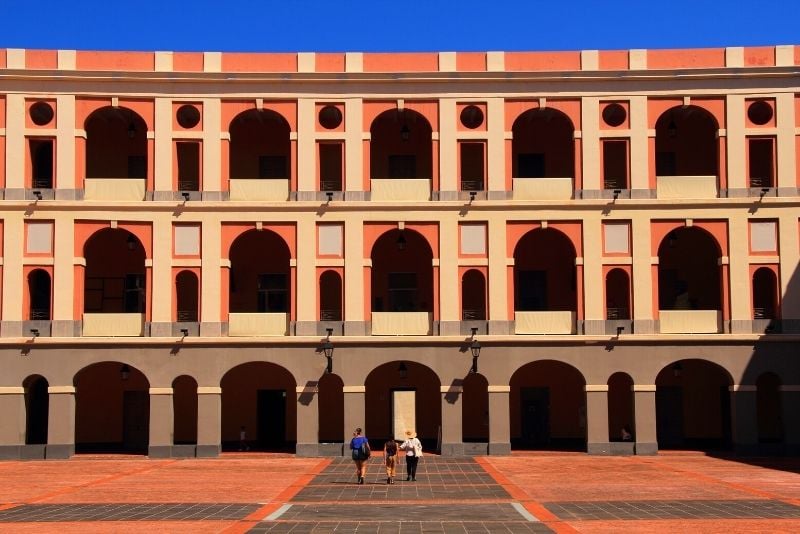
{"x":391,"y":448}
{"x":362,"y":452}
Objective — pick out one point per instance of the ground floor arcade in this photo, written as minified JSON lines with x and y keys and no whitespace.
{"x":199,"y":399}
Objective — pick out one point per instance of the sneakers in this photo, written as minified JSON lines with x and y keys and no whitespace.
{"x":389,"y":480}
{"x":408,"y":479}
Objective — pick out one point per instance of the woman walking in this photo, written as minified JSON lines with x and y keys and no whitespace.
{"x":361,"y":453}
{"x":413,"y":448}
{"x":390,"y":459}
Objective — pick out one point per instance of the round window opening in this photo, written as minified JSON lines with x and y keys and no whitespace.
{"x":188,"y":116}
{"x":41,"y":113}
{"x":614,"y":114}
{"x":330,"y":117}
{"x":471,"y":117}
{"x":759,"y":112}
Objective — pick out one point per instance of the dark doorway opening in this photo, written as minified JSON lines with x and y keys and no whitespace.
{"x":271,"y":414}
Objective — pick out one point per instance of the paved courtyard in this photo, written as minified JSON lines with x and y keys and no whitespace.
{"x":524,"y":492}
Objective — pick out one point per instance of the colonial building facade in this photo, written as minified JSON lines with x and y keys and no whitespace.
{"x":500,"y":250}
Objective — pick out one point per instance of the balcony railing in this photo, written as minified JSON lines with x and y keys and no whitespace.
{"x":473,"y":315}
{"x":121,"y":189}
{"x":472,"y":185}
{"x":259,"y":189}
{"x":690,"y":321}
{"x":187,"y":316}
{"x":405,"y":189}
{"x":113,"y":324}
{"x":545,"y":322}
{"x":40,"y":314}
{"x":617,"y":314}
{"x":542,"y":188}
{"x":330,"y":185}
{"x":330,"y":315}
{"x":690,"y":187}
{"x":258,"y":324}
{"x":401,"y":323}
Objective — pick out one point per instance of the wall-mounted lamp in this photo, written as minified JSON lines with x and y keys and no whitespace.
{"x":401,"y":242}
{"x":402,"y":370}
{"x":124,"y":372}
{"x":472,"y":195}
{"x":620,"y":330}
{"x":184,"y":332}
{"x":35,"y":332}
{"x":327,"y":350}
{"x":475,"y":349}
{"x":405,"y":132}
{"x":672,"y":128}
{"x":37,"y":194}
{"x":185,"y":195}
{"x":131,"y":130}
{"x":329,"y":196}
{"x":677,"y":370}
{"x":764,"y":191}
{"x":130,"y":242}
{"x":617,"y":193}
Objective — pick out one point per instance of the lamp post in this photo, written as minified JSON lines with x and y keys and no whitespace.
{"x":475,"y":349}
{"x":327,"y":350}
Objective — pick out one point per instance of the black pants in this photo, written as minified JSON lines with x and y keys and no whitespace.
{"x":411,"y":466}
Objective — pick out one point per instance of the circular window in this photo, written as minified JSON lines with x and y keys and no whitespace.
{"x":759,"y":112}
{"x":41,"y":113}
{"x":614,"y":114}
{"x":471,"y":116}
{"x":188,"y":116}
{"x":330,"y":117}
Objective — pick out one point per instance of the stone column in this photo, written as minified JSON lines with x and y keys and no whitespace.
{"x":790,"y":406}
{"x":744,"y":419}
{"x":499,"y":420}
{"x":597,"y":441}
{"x":162,"y":421}
{"x":354,"y":413}
{"x":209,"y":421}
{"x":644,"y":407}
{"x":60,"y":422}
{"x":452,"y":441}
{"x":12,"y":430}
{"x":308,"y":419}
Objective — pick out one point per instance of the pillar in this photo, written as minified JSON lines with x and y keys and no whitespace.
{"x":744,"y":419}
{"x":354,"y":412}
{"x":12,"y":431}
{"x":162,"y":424}
{"x":597,"y":441}
{"x":499,"y":420}
{"x":452,"y":442}
{"x":644,"y":408}
{"x":61,"y":422}
{"x":209,"y":421}
{"x":308,"y":419}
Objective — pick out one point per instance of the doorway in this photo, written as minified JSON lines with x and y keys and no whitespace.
{"x":271,"y":414}
{"x":535,"y":410}
{"x":135,"y":427}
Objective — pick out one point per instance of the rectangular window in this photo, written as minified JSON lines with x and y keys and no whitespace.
{"x":188,"y":166}
{"x":615,"y":164}
{"x":473,"y":168}
{"x":402,"y":166}
{"x":41,"y":154}
{"x":272,"y":167}
{"x":330,"y":166}
{"x":762,"y":162}
{"x":402,"y":292}
{"x":530,"y":166}
{"x":272,"y":293}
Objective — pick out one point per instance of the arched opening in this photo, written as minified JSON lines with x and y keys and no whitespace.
{"x":331,"y":409}
{"x":693,"y":406}
{"x":40,"y":295}
{"x":473,"y":296}
{"x":688,"y":271}
{"x":112,"y":409}
{"x":548,"y":407}
{"x":769,"y":408}
{"x":765,"y":294}
{"x":620,"y":408}
{"x":618,"y":295}
{"x":116,"y":144}
{"x":330,"y":296}
{"x":686,"y":143}
{"x":402,"y":273}
{"x":260,"y":273}
{"x":475,"y":409}
{"x":543,"y":145}
{"x":184,"y":406}
{"x":403,"y":396}
{"x":115,"y":273}
{"x":187,"y":296}
{"x":37,"y":403}
{"x":544,"y":272}
{"x":401,"y":146}
{"x":259,"y":399}
{"x":260,"y":146}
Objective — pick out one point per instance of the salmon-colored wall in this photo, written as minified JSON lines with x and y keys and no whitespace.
{"x":286,"y":109}
{"x":2,"y":58}
{"x":428,"y":109}
{"x":329,"y":63}
{"x":517,"y":230}
{"x":187,"y":61}
{"x":686,"y":59}
{"x":515,"y":108}
{"x":471,"y":61}
{"x":247,"y":62}
{"x":717,"y":229}
{"x":373,"y":231}
{"x":540,"y":61}
{"x":401,"y":62}
{"x":29,"y":122}
{"x":41,"y":59}
{"x":759,"y":56}
{"x":286,"y":231}
{"x":613,"y":59}
{"x":3,"y":112}
{"x":657,"y":106}
{"x":116,"y":61}
{"x":26,"y":294}
{"x":85,"y":229}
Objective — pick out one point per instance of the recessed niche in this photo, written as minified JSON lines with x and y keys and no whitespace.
{"x":188,"y":116}
{"x":614,"y":114}
{"x":471,"y":117}
{"x":330,"y":117}
{"x":759,"y":112}
{"x":41,"y":113}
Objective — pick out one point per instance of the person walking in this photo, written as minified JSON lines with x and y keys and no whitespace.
{"x":390,"y":459}
{"x":361,"y":453}
{"x":413,"y":448}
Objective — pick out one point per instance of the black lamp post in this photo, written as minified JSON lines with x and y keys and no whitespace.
{"x":475,"y":349}
{"x":327,"y":350}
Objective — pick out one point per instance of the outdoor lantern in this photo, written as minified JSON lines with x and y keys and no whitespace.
{"x":475,"y":348}
{"x":131,"y":131}
{"x":405,"y":132}
{"x":401,"y":242}
{"x":124,"y":372}
{"x":327,"y":350}
{"x":402,"y":370}
{"x":672,"y":128}
{"x":130,"y":242}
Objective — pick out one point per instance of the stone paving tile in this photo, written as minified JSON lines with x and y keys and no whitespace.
{"x":125,"y":512}
{"x":393,"y":512}
{"x":401,"y":527}
{"x":631,"y":510}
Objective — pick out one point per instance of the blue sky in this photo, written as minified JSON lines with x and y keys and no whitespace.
{"x":432,"y":25}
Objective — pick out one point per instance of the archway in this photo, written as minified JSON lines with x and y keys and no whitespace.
{"x":260,"y":398}
{"x":37,"y":402}
{"x":260,"y":273}
{"x":544,"y":272}
{"x":260,"y":146}
{"x":184,"y":406}
{"x":686,"y":142}
{"x":543,"y":145}
{"x":112,"y":409}
{"x":548,"y":407}
{"x":693,"y":406}
{"x":187,"y":297}
{"x":116,"y":144}
{"x":115,"y":273}
{"x":475,"y":409}
{"x":40,"y":295}
{"x":473,"y":296}
{"x":402,"y":273}
{"x":689,"y":275}
{"x":401,"y":146}
{"x":330,"y":296}
{"x":769,"y":408}
{"x":620,"y":407}
{"x":401,"y":396}
{"x":331,"y":409}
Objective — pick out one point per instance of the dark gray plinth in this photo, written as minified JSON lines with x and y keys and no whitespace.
{"x":159,"y":451}
{"x":599,"y":449}
{"x":59,"y":451}
{"x":476,"y":449}
{"x":32,"y":452}
{"x":184,"y":451}
{"x":646,"y":449}
{"x":9,"y":452}
{"x":452,"y":449}
{"x":499,"y":449}
{"x":208,"y":451}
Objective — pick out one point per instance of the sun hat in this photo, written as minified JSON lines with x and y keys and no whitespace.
{"x":411,"y":434}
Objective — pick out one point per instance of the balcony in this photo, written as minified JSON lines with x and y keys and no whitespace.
{"x":690,"y":321}
{"x":405,"y":189}
{"x":259,"y":189}
{"x":113,"y":324}
{"x":689,"y":187}
{"x":119,"y":189}
{"x":542,"y":188}
{"x":401,"y":324}
{"x":545,"y":322}
{"x":258,"y":324}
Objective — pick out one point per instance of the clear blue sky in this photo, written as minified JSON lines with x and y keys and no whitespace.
{"x":432,"y":25}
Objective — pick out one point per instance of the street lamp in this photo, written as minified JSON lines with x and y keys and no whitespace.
{"x":124,"y":372}
{"x":475,"y":349}
{"x":327,"y":350}
{"x":402,"y":370}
